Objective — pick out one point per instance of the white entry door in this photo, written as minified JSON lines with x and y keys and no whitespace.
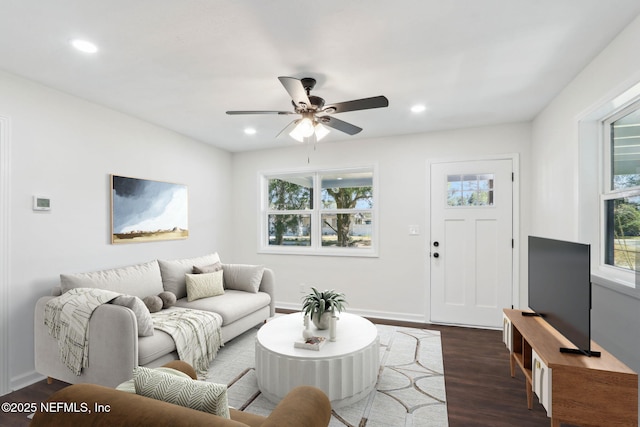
{"x":471,"y":241}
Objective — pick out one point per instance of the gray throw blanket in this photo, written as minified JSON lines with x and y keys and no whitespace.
{"x":197,"y":335}
{"x":67,"y":318}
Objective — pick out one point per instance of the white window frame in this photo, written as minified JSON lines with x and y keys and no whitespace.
{"x":316,"y":247}
{"x":593,"y":180}
{"x":621,"y":275}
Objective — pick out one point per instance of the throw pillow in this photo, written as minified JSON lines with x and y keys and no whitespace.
{"x":129,"y":387}
{"x":207,"y":268}
{"x":145,"y":323}
{"x":199,"y":395}
{"x":204,"y":285}
{"x":243,"y":277}
{"x":153,"y":303}
{"x":168,"y":299}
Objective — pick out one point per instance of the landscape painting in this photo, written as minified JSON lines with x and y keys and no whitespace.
{"x":146,"y":211}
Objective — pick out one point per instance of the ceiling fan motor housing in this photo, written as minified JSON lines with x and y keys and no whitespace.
{"x":316,"y":104}
{"x":308,"y":83}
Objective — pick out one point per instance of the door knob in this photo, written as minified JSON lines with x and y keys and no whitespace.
{"x":436,"y":254}
{"x":436,"y":244}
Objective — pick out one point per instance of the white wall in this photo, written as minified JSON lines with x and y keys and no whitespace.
{"x":394,"y":285}
{"x":66,"y":148}
{"x":556,"y":208}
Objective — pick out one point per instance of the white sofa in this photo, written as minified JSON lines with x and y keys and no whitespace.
{"x":114,"y":345}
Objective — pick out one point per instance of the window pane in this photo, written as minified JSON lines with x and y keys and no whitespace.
{"x":289,"y":230}
{"x":623,"y":232}
{"x":353,"y":190}
{"x":625,"y":151}
{"x":291,"y":192}
{"x":347,"y":230}
{"x":470,"y":190}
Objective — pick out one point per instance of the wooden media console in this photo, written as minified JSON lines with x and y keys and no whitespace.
{"x":574,"y":389}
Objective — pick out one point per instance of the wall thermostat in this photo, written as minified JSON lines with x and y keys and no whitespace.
{"x":41,"y":203}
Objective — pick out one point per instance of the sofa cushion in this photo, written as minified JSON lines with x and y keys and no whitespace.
{"x":173,"y":272}
{"x":242,"y":277}
{"x":154,"y":347}
{"x":139,"y":280}
{"x":204,"y":285}
{"x":143,"y":316}
{"x":207,"y":268}
{"x":199,"y":395}
{"x":231,"y":306}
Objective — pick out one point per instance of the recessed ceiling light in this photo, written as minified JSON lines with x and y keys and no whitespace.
{"x":250,"y":131}
{"x":419,"y":108}
{"x":84,"y":46}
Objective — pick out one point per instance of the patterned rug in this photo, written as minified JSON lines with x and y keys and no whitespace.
{"x":410,"y":391}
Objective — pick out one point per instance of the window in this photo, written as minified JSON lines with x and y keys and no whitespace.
{"x":330,"y":212}
{"x":621,"y":194}
{"x":470,"y":190}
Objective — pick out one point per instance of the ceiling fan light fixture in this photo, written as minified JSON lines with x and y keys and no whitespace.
{"x":299,"y":131}
{"x":304,"y":129}
{"x":321,"y":131}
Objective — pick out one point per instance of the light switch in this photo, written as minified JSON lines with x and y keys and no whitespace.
{"x":414,"y":230}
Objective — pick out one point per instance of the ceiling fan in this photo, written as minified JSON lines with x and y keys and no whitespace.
{"x":315,"y":114}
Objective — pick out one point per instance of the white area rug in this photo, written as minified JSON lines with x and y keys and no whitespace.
{"x":410,"y":391}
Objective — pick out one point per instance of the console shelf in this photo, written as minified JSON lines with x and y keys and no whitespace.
{"x":574,"y":389}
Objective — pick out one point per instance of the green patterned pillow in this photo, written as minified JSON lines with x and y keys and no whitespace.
{"x":199,"y":395}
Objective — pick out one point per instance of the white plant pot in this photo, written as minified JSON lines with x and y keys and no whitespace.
{"x":323,"y":321}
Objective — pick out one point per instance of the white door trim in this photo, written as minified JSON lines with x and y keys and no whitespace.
{"x":515,"y":158}
{"x":5,"y":264}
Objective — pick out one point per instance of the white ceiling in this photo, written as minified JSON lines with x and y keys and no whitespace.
{"x":182,"y":63}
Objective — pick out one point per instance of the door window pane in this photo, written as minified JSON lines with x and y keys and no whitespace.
{"x":470,"y":190}
{"x":347,"y":230}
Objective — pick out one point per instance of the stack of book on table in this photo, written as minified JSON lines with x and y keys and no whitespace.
{"x":313,"y":343}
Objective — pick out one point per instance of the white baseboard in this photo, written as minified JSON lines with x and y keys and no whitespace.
{"x":25,"y":380}
{"x":387,"y":315}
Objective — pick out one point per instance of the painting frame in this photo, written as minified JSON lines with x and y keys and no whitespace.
{"x":144,"y":210}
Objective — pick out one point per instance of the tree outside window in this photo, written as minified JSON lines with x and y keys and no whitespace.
{"x":347,"y":201}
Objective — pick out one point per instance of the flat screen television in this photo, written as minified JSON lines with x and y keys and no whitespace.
{"x":560,"y":289}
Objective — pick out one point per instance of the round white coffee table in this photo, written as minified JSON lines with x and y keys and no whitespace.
{"x":345,"y":369}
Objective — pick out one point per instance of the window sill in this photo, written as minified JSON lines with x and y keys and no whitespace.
{"x":620,"y":287}
{"x":314,"y":252}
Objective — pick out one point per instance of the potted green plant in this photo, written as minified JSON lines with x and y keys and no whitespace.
{"x":320,"y":306}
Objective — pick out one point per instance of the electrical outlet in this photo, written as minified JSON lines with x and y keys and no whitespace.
{"x":302,"y":288}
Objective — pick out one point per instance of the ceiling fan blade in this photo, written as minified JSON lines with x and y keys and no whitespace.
{"x":340,"y":125}
{"x":358,"y":104}
{"x":259,"y":112}
{"x":296,"y":91}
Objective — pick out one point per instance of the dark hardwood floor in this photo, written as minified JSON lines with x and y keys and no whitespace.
{"x":480,"y":390}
